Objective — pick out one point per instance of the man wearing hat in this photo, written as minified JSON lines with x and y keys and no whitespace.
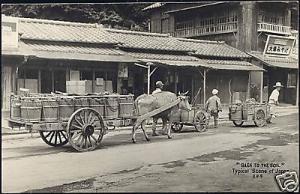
{"x":273,"y":99}
{"x":159,"y":86}
{"x":213,"y":106}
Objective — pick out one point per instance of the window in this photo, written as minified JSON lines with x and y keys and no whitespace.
{"x":292,"y":80}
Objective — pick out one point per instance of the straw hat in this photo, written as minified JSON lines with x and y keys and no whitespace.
{"x":278,"y":84}
{"x":159,"y":84}
{"x":214,"y":91}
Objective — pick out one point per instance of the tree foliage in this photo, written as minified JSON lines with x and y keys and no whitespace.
{"x":122,"y":16}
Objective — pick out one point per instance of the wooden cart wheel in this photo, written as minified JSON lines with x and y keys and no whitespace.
{"x":176,"y":127}
{"x":260,"y":118}
{"x":238,"y":123}
{"x":54,"y":138}
{"x":85,"y":129}
{"x":200,"y":122}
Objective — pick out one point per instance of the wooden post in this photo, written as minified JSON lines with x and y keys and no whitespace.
{"x":39,"y":81}
{"x":297,"y":92}
{"x":52,"y":80}
{"x":261,"y":86}
{"x":148,"y":79}
{"x":204,"y":86}
{"x":248,"y":86}
{"x":94,"y":80}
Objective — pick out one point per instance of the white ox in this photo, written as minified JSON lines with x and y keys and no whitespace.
{"x":147,"y":103}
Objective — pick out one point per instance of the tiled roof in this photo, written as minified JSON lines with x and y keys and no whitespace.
{"x":37,"y":29}
{"x":73,"y":51}
{"x":150,"y":56}
{"x":230,"y":65}
{"x":288,"y":62}
{"x":148,"y":41}
{"x":213,"y":48}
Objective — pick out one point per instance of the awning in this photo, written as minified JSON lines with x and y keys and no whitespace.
{"x":288,"y":62}
{"x":166,"y":59}
{"x":186,"y":60}
{"x":75,"y":52}
{"x":232,"y":65}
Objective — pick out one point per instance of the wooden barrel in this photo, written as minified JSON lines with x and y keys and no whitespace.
{"x":50,"y":110}
{"x":66,"y":108}
{"x":236,"y":112}
{"x":31,"y":110}
{"x":81,"y":103}
{"x":97,"y":104}
{"x":111,"y":108}
{"x":187,"y":116}
{"x":15,"y":108}
{"x":126,"y":106}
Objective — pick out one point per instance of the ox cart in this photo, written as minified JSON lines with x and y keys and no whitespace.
{"x":259,"y":113}
{"x":196,"y":117}
{"x":80,"y":120}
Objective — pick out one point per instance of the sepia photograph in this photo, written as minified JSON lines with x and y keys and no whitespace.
{"x":197,"y":96}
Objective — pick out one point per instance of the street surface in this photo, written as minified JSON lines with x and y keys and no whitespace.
{"x":191,"y":161}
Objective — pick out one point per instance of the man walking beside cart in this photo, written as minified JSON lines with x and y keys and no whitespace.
{"x":273,"y":99}
{"x":213,"y":106}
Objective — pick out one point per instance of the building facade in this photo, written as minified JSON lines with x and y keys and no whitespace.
{"x":245,"y":25}
{"x":44,"y":55}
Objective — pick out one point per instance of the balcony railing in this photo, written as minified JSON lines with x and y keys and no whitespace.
{"x":205,"y":30}
{"x":273,"y":28}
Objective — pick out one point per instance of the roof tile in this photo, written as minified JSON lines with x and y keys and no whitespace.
{"x":147,"y":41}
{"x":49,"y":30}
{"x":213,"y":48}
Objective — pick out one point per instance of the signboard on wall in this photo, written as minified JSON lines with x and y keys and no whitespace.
{"x":9,"y":32}
{"x":279,"y":45}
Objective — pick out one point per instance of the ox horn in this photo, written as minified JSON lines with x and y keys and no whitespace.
{"x":185,"y":93}
{"x":179,"y":93}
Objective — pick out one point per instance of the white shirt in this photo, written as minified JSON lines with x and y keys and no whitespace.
{"x":274,"y":96}
{"x":157,"y":90}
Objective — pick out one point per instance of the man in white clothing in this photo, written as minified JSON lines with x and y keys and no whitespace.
{"x":273,"y":99}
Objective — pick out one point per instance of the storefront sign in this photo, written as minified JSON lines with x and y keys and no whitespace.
{"x":279,"y":45}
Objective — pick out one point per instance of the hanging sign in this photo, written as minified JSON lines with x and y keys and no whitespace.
{"x":279,"y":45}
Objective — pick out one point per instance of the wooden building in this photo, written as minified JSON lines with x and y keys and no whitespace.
{"x":245,"y":25}
{"x":44,"y":55}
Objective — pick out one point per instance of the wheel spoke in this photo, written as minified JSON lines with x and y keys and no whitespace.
{"x":48,"y":134}
{"x":75,"y":135}
{"x":94,"y":138}
{"x":89,"y":137}
{"x":81,"y":118}
{"x":59,"y":137}
{"x":90,"y":117}
{"x":51,"y":137}
{"x":62,"y":133}
{"x":55,"y":140}
{"x":86,"y":116}
{"x":76,"y":126}
{"x":75,"y":118}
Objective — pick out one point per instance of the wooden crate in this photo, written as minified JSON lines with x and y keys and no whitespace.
{"x":126,"y":106}
{"x":79,"y":87}
{"x":111,"y":107}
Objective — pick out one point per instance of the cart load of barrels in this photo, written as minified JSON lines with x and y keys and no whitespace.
{"x":250,"y":110}
{"x":35,"y":108}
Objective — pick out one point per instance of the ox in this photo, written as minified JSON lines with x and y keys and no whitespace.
{"x":146,"y":103}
